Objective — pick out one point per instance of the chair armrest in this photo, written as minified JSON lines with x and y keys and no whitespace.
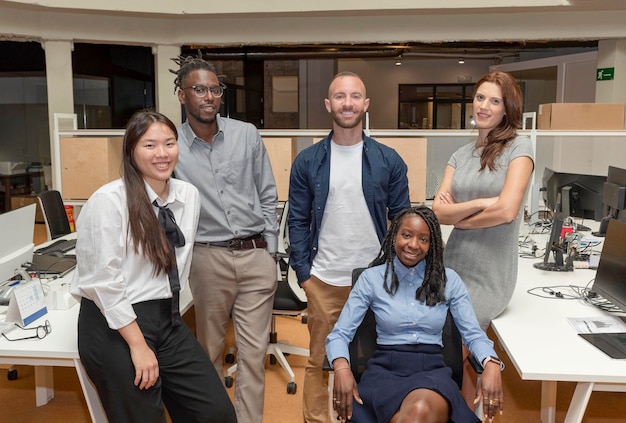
{"x":326,"y":365}
{"x":478,"y":368}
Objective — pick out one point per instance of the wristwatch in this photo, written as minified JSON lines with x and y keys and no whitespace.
{"x":495,"y":360}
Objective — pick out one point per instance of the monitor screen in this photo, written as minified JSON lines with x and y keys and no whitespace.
{"x":614,"y":195}
{"x":581,"y":195}
{"x":610,"y":280}
{"x":17,"y":228}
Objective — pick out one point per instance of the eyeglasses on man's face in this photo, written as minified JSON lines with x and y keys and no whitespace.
{"x":41,"y":332}
{"x":202,"y":90}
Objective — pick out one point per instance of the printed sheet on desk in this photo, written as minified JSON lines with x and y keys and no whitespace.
{"x":4,"y":325}
{"x":58,"y":295}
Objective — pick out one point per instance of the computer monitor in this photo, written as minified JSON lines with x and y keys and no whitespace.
{"x":17,"y":228}
{"x":613,"y":198}
{"x":610,"y":280}
{"x":581,"y":195}
{"x":556,"y":247}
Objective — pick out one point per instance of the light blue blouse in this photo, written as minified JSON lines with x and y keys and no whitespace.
{"x":401,"y":319}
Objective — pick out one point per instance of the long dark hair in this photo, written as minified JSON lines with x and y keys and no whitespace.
{"x":144,"y":228}
{"x":432,"y":289}
{"x":506,"y":130}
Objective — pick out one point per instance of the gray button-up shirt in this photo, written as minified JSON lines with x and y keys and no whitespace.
{"x":234,"y":176}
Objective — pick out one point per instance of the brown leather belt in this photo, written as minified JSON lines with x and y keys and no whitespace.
{"x":248,"y":243}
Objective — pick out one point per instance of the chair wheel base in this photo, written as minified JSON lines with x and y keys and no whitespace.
{"x":292,"y":388}
{"x":228,"y":381}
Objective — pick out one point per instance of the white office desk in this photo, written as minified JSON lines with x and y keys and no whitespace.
{"x":60,"y":348}
{"x":543,"y":346}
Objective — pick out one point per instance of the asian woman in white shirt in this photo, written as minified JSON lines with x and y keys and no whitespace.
{"x":136,"y":349}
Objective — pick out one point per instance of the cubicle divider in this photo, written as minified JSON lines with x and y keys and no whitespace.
{"x":91,"y":161}
{"x":87,"y":163}
{"x":281,"y":151}
{"x":414,"y":152}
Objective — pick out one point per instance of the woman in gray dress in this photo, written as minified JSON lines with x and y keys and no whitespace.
{"x":482,"y":195}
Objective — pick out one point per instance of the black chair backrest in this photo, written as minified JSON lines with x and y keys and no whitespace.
{"x":285,"y":299}
{"x":363,"y":345}
{"x":54,"y":210}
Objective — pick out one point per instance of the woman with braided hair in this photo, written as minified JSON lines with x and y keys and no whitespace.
{"x":410,"y":292}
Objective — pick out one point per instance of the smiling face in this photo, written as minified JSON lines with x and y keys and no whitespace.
{"x":412,"y":241}
{"x":346,"y":101}
{"x":155,"y":155}
{"x":200,"y":110}
{"x":488,"y":106}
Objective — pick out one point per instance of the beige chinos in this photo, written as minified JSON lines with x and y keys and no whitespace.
{"x":240,"y":283}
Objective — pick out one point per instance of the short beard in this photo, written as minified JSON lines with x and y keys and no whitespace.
{"x":343,"y":124}
{"x":206,"y":121}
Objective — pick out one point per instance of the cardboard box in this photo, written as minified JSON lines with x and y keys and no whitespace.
{"x":87,"y":163}
{"x":18,"y":201}
{"x":581,"y":116}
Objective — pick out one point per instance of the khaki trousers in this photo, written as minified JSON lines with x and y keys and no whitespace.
{"x":325,"y":303}
{"x":241,"y":284}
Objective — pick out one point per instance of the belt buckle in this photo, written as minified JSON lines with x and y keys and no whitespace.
{"x":235,"y":244}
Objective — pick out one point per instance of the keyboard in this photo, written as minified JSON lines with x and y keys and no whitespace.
{"x":61,"y":245}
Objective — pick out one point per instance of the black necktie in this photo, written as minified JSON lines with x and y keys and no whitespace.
{"x":176,"y":239}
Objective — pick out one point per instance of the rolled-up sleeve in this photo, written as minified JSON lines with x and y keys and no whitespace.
{"x":100,"y":247}
{"x":350,"y":319}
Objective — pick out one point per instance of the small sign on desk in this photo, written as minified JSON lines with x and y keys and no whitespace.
{"x":27,"y":303}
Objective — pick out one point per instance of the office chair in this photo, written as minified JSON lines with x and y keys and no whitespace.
{"x":57,"y":224}
{"x":363,"y":346}
{"x":289,"y":300}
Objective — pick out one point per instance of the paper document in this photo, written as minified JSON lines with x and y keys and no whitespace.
{"x":597,"y":324}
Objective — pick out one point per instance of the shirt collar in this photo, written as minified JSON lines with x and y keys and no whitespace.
{"x":190,"y":136}
{"x":402,"y":271}
{"x":172,"y":196}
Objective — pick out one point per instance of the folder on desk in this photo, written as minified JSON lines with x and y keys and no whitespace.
{"x":612,"y":344}
{"x":51,"y":265}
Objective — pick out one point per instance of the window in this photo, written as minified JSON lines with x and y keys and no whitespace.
{"x":430,"y":106}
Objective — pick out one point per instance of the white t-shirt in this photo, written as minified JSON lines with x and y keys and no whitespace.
{"x":347,"y":238}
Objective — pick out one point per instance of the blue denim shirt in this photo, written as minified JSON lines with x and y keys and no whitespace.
{"x":385,"y":188}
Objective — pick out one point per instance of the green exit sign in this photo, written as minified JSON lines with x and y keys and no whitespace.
{"x":605,"y":74}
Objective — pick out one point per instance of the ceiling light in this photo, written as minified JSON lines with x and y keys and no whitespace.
{"x":461,"y":61}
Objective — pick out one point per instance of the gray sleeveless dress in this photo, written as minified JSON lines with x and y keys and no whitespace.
{"x":486,"y":259}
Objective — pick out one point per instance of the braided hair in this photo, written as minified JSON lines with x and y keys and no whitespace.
{"x":432,"y":289}
{"x":188,"y":64}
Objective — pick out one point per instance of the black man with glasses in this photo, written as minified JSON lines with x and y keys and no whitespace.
{"x":233,"y":270}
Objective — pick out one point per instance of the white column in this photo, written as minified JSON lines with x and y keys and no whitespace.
{"x":612,"y":54}
{"x":60,"y":90}
{"x":166,"y":99}
{"x":609,"y":151}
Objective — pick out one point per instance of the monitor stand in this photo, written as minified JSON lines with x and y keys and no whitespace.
{"x":559,"y":265}
{"x":552,"y":267}
{"x":603,"y":225}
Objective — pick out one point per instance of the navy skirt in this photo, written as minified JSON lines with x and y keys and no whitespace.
{"x":396,"y":370}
